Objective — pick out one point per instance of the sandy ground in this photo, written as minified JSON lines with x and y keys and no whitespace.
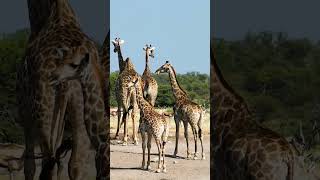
{"x":126,"y":162}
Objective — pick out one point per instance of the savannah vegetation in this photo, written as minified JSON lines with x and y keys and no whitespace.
{"x":279,"y":77}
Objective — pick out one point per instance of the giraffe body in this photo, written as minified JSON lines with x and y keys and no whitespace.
{"x":152,"y":124}
{"x":242,"y":149}
{"x":185,"y":111}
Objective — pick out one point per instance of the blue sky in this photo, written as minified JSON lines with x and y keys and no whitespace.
{"x":179,"y":30}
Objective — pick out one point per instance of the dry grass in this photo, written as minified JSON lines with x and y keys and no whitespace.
{"x":206,"y":123}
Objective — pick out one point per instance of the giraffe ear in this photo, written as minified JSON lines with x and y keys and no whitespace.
{"x":152,"y":48}
{"x":121,"y":41}
{"x":144,"y":49}
{"x":113,"y":42}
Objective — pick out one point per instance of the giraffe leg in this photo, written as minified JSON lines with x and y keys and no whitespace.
{"x":143,"y":137}
{"x":163,"y":155}
{"x":149,"y":148}
{"x":124,"y":119}
{"x":159,"y":145}
{"x":177,"y":136}
{"x":119,"y":123}
{"x":200,"y":133}
{"x":195,"y":136}
{"x":80,"y":148}
{"x":48,"y":164}
{"x":133,"y":115}
{"x":29,"y":162}
{"x":186,"y":135}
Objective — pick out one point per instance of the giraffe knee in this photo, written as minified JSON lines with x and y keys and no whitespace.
{"x":164,"y":143}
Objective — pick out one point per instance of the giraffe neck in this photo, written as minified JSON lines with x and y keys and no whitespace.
{"x":120,"y":60}
{"x":178,"y":92}
{"x":63,"y":14}
{"x":142,"y":103}
{"x":94,"y":96}
{"x":39,"y":12}
{"x":224,"y":100}
{"x":147,"y":69}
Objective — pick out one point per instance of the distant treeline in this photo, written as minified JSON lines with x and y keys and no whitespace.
{"x":195,"y":84}
{"x":278,"y":76}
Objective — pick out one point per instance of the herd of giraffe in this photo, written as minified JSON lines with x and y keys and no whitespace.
{"x":63,"y":78}
{"x":135,"y":92}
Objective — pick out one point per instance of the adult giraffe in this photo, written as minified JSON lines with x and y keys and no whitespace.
{"x":49,"y":45}
{"x":242,"y":149}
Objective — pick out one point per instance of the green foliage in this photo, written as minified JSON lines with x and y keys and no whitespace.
{"x":12,"y":48}
{"x":194,"y":83}
{"x":278,"y":76}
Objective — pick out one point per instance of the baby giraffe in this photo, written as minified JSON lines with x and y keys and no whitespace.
{"x":151,"y":124}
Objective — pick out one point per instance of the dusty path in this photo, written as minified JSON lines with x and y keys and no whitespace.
{"x":126,"y":162}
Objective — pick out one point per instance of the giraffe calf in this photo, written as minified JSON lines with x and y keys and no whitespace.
{"x":152,"y":124}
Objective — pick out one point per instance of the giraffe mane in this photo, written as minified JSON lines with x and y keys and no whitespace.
{"x":175,"y":75}
{"x":224,"y":82}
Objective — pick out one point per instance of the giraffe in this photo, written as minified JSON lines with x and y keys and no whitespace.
{"x":186,"y":111}
{"x":128,"y":100}
{"x":119,"y":89}
{"x":47,"y":103}
{"x":78,"y":63}
{"x":117,"y":42}
{"x":152,"y":124}
{"x":242,"y":149}
{"x":150,"y":85}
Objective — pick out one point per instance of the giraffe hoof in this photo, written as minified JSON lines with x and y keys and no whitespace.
{"x":164,"y":170}
{"x":195,"y":158}
{"x":124,"y":144}
{"x":158,"y":170}
{"x":174,"y":155}
{"x":149,"y":167}
{"x":203,"y":156}
{"x":136,"y":143}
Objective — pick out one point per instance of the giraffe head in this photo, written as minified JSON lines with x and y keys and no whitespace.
{"x":133,"y":80}
{"x":73,"y":64}
{"x":116,"y":43}
{"x":164,"y":68}
{"x":149,"y":50}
